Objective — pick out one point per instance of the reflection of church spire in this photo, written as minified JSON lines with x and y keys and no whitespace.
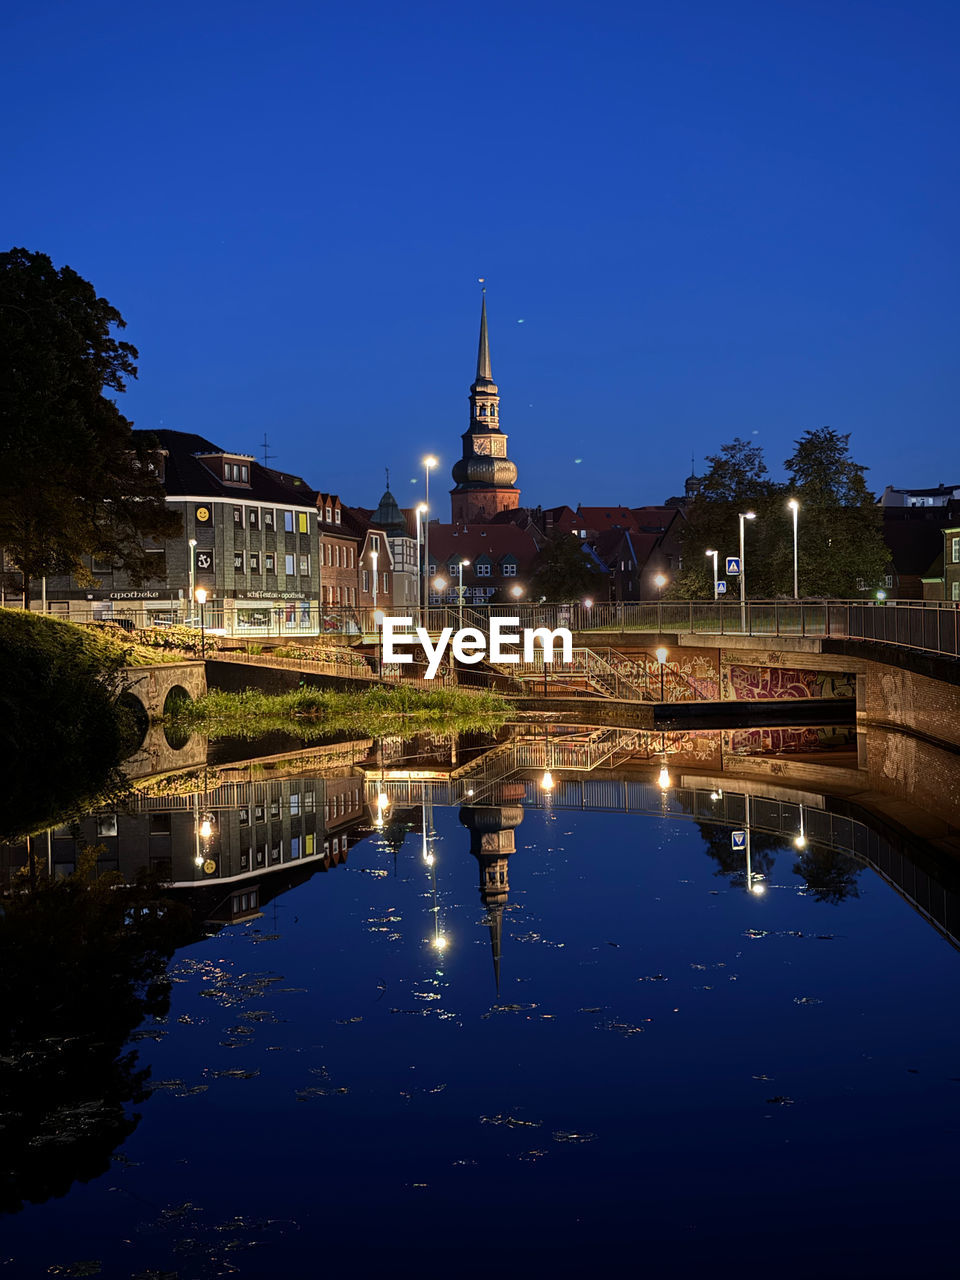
{"x":492,"y":840}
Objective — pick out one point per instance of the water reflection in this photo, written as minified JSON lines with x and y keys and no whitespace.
{"x":225,"y":839}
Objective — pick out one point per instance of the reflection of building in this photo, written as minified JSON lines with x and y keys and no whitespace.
{"x":492,"y":840}
{"x":224,"y":841}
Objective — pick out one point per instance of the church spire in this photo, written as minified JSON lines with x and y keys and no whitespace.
{"x":484,"y":372}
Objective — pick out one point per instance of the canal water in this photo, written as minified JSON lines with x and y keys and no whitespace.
{"x":524,"y":1030}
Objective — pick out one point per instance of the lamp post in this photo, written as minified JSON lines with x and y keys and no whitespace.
{"x":661,"y":658}
{"x":460,"y":591}
{"x":200,"y":595}
{"x":192,"y":544}
{"x":715,"y":555}
{"x":375,"y":557}
{"x":421,"y":569}
{"x":794,"y":506}
{"x":744,"y":515}
{"x":429,"y":463}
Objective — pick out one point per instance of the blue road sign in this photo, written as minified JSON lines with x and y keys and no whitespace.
{"x":738,"y":840}
{"x":733,"y":565}
{"x":721,"y":588}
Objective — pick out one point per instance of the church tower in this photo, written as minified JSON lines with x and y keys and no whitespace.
{"x":485,"y":478}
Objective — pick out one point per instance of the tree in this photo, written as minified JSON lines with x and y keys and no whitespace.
{"x":74,"y":480}
{"x":840,"y":538}
{"x":737,"y":481}
{"x":564,"y":572}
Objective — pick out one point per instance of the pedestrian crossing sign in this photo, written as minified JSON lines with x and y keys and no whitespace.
{"x":733,"y":565}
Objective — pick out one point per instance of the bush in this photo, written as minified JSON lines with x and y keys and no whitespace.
{"x":63,"y":731}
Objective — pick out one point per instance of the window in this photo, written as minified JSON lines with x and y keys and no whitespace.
{"x":244,"y":473}
{"x":336,"y":555}
{"x":270,"y":562}
{"x":107,"y":824}
{"x":310,"y":802}
{"x":329,"y":515}
{"x":289,"y":565}
{"x":269,"y":521}
{"x":294,"y":847}
{"x":366,"y":580}
{"x":304,"y":565}
{"x":509,"y":570}
{"x":276,"y":851}
{"x":288,"y":522}
{"x":244,"y":816}
{"x":329,"y":554}
{"x":483,"y":571}
{"x":888,"y":580}
{"x":375,"y":544}
{"x":955,"y":550}
{"x":955,"y":591}
{"x":386,"y":583}
{"x":311,"y":844}
{"x":274,"y":808}
{"x":238,"y":562}
{"x":294,"y":803}
{"x":253,"y":518}
{"x":336,"y":516}
{"x":261,"y":854}
{"x":238,"y":516}
{"x":303,"y":522}
{"x":102,"y":566}
{"x":349,"y":557}
{"x":254,"y":561}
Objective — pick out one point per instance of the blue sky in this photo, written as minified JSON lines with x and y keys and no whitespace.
{"x":696,"y":220}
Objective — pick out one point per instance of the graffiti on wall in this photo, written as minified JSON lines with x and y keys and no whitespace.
{"x":757,"y":742}
{"x":761,"y":684}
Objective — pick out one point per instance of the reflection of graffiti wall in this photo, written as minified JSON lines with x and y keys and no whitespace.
{"x":760,"y":684}
{"x":755,"y":742}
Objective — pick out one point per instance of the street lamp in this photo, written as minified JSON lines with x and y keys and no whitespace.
{"x":200,"y":595}
{"x":421,"y":570}
{"x":660,"y":581}
{"x":744,"y":515}
{"x":661,"y":658}
{"x":715,"y":555}
{"x":429,"y":463}
{"x":375,"y":557}
{"x":192,"y":544}
{"x":460,"y":590}
{"x":516,"y":591}
{"x":794,"y":506}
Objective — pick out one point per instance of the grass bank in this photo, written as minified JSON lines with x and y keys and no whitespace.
{"x":63,"y":727}
{"x":317,"y":713}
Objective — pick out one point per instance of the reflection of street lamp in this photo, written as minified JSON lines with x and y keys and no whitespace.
{"x":429,"y":463}
{"x":663,"y":777}
{"x":546,"y":782}
{"x":715,"y":555}
{"x":378,"y":616}
{"x":200,"y":596}
{"x":192,"y":544}
{"x":375,"y":557}
{"x":800,"y":840}
{"x":661,"y":654}
{"x":744,"y":515}
{"x":794,"y":506}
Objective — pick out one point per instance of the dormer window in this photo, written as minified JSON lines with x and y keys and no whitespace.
{"x":328,"y":515}
{"x":336,"y":516}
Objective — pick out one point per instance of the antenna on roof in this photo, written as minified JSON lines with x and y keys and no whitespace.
{"x":264,"y":446}
{"x":387,"y":470}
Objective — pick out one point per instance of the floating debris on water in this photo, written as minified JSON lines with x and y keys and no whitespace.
{"x":780,"y":1101}
{"x":511,"y":1122}
{"x":806,"y":1000}
{"x":567,"y":1135}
